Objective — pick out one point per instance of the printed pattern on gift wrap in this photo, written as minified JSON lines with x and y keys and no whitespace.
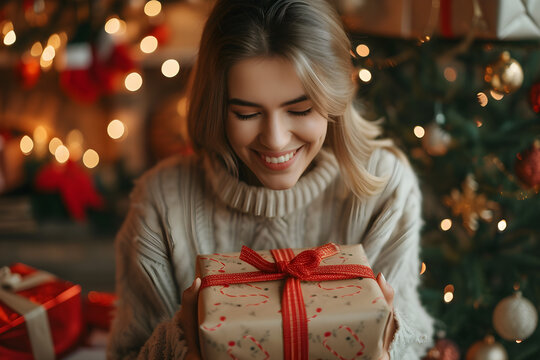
{"x":254,"y":352}
{"x":265,"y":297}
{"x":354,"y":351}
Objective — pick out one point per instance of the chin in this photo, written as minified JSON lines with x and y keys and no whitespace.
{"x":281,"y":184}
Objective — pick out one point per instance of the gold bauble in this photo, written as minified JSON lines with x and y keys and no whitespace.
{"x":436,"y":140}
{"x":515,"y":318}
{"x":505,"y":75}
{"x":487,"y":349}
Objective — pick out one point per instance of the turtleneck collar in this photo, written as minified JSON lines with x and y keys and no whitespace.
{"x":261,"y":201}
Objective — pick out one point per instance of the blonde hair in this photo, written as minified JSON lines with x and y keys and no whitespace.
{"x":309,"y":34}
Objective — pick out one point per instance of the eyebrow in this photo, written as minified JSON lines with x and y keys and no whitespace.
{"x":241,"y":102}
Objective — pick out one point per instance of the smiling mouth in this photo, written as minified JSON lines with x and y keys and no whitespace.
{"x":278,"y":162}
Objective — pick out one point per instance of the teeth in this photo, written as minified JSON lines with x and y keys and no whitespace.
{"x":279,"y":160}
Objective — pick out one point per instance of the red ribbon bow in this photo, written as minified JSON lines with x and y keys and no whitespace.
{"x":302,"y":267}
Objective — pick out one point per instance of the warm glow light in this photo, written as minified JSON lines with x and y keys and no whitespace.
{"x":116,"y":129}
{"x":446,"y":224}
{"x":496,"y":95}
{"x":182,"y":107}
{"x":482,"y":99}
{"x":90,"y":158}
{"x":152,"y":8}
{"x":48,"y":53}
{"x":448,"y":297}
{"x":133,"y":81}
{"x":8,"y":26}
{"x":61,"y":154}
{"x":40,"y":134}
{"x":170,"y":68}
{"x":26,"y":145}
{"x":364,"y":75}
{"x":362,"y":50}
{"x":419,"y":132}
{"x":519,"y":341}
{"x":449,"y":288}
{"x":112,"y":26}
{"x":36,"y":49}
{"x":75,"y":136}
{"x":423,"y":268}
{"x":450,"y":74}
{"x":149,"y":44}
{"x":502,"y":225}
{"x":54,"y":144}
{"x":479,"y":123}
{"x":54,"y":41}
{"x":45,"y":64}
{"x":10,"y":38}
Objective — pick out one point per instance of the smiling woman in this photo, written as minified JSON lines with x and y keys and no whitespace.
{"x":282,"y":160}
{"x":271,"y":125}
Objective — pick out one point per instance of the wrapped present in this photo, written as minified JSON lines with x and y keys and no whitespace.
{"x":320,"y":303}
{"x":40,"y":315}
{"x":500,"y":19}
{"x":99,"y":309}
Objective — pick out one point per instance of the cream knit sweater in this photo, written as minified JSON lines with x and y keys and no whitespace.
{"x":185,"y":207}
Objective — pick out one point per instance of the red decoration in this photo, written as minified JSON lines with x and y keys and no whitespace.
{"x":302,"y":267}
{"x":528,"y":165}
{"x":74,"y":185}
{"x":444,"y":349}
{"x":535,"y":97}
{"x":161,"y":32}
{"x":102,"y":77}
{"x":99,"y":309}
{"x":29,"y":72}
{"x":61,"y":299}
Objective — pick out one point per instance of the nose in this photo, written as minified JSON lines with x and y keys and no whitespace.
{"x":275,"y":132}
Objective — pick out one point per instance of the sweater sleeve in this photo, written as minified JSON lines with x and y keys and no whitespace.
{"x":393,"y":244}
{"x":146,"y":322}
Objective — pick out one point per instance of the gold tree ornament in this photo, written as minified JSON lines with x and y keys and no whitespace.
{"x":505,"y":75}
{"x":470,"y":205}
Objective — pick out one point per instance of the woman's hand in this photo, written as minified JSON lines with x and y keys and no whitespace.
{"x":388,"y":293}
{"x":188,"y":320}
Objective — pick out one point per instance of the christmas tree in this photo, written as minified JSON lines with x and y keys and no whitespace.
{"x":466,"y":113}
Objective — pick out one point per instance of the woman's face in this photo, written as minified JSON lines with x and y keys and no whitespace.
{"x":271,"y":124}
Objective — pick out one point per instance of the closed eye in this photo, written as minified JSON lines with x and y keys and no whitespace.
{"x":300,"y":113}
{"x":245,"y":116}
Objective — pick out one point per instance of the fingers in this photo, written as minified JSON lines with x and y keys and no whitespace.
{"x":387,"y":290}
{"x":189,"y":318}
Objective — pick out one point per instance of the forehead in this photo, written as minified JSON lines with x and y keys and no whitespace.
{"x":264,"y":80}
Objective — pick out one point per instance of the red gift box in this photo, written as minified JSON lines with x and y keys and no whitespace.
{"x":61,"y":301}
{"x":99,"y":308}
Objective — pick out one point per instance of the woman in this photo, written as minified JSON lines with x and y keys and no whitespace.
{"x":282,"y":160}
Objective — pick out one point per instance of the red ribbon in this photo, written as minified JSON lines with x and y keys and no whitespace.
{"x":302,"y":267}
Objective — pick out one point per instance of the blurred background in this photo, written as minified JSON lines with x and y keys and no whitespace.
{"x":92,"y":94}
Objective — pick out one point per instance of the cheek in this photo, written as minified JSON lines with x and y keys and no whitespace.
{"x":313,"y":129}
{"x":239,"y":133}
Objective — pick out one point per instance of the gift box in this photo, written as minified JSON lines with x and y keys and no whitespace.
{"x":99,"y":308}
{"x":499,"y":19}
{"x":40,"y":315}
{"x":320,"y":303}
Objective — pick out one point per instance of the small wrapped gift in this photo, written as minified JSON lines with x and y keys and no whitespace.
{"x":499,"y":19}
{"x":99,"y":308}
{"x":40,"y":315}
{"x":320,"y":303}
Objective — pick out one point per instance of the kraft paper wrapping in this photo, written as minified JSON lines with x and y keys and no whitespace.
{"x":346,"y":318}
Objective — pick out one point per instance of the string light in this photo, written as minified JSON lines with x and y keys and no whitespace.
{"x":423,"y":268}
{"x":54,"y":144}
{"x":116,"y":129}
{"x":48,"y":53}
{"x":362,"y":50}
{"x":36,"y":49}
{"x":501,"y":225}
{"x":10,"y":38}
{"x":133,"y":81}
{"x":74,"y":144}
{"x":448,"y":293}
{"x":446,"y":224}
{"x":54,"y":41}
{"x":482,"y":99}
{"x":149,"y":44}
{"x":26,"y":145}
{"x":170,"y":68}
{"x":518,"y":341}
{"x":419,"y":131}
{"x":40,"y":134}
{"x":90,"y":158}
{"x":364,"y":75}
{"x":496,"y":95}
{"x":152,"y":8}
{"x":450,"y":74}
{"x":112,"y":26}
{"x":61,"y":154}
